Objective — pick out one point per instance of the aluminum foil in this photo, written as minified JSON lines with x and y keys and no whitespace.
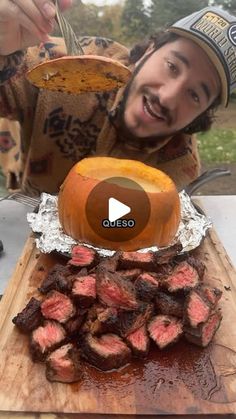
{"x":50,"y":237}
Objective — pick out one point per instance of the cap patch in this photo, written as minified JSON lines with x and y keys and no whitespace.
{"x":221,"y":34}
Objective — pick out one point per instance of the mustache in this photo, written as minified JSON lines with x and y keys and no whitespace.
{"x":154,"y":99}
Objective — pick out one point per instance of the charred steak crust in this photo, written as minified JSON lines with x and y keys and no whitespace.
{"x":84,"y":290}
{"x":167,"y":255}
{"x":183,"y":279}
{"x":146,"y":286}
{"x":204,"y":333}
{"x":139,"y":342}
{"x":59,"y":278}
{"x":46,"y":338}
{"x":130,"y":274}
{"x":198,"y":265}
{"x":114,"y":291}
{"x":64,"y":365}
{"x":212,"y":294}
{"x":169,"y":304}
{"x":83,"y":256}
{"x":30,"y":317}
{"x":136,"y":260}
{"x":106,"y":352}
{"x":129,"y":321}
{"x":165,"y":330}
{"x":196,"y":309}
{"x":57,"y":306}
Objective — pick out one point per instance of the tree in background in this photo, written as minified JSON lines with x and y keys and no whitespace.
{"x":165,"y":12}
{"x":84,"y":19}
{"x":130,"y":21}
{"x":134,"y":21}
{"x":89,"y":19}
{"x":229,"y":5}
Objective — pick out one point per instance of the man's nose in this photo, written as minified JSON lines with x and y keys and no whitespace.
{"x":171,"y":93}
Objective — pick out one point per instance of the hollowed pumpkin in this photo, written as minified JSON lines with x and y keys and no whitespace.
{"x":79,"y":74}
{"x":84,"y":176}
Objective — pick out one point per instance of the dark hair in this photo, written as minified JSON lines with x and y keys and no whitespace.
{"x":204,"y":121}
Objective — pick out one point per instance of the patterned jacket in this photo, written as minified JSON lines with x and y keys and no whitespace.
{"x":55,"y":130}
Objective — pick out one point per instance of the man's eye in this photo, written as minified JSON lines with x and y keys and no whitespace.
{"x":172,"y":67}
{"x":194,"y":96}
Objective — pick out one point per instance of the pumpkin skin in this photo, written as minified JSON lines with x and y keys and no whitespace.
{"x":84,"y":176}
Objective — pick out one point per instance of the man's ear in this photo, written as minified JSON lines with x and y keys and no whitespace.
{"x":149,"y":50}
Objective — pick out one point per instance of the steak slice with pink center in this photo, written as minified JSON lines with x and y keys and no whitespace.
{"x":106,"y":352}
{"x":183,"y":278}
{"x":63,"y":365}
{"x":139,"y":342}
{"x":83,"y":256}
{"x":84,"y":290}
{"x":46,"y":338}
{"x":197,"y":309}
{"x":114,"y":291}
{"x":204,"y":333}
{"x":57,"y":306}
{"x":165,"y":330}
{"x":133,"y":260}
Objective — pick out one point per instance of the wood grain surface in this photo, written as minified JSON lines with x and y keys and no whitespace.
{"x":183,"y":380}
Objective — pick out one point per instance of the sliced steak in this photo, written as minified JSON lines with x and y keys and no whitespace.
{"x":101,"y":320}
{"x":132,"y":260}
{"x":84,"y":290}
{"x":146,"y":286}
{"x":183,"y":278}
{"x":59,"y":278}
{"x":169,"y":304}
{"x":198,"y":265}
{"x":83,"y":256}
{"x":129,"y":321}
{"x":139,"y":342}
{"x":114,"y":291}
{"x":30,"y":317}
{"x":63,"y":365}
{"x":165,"y":330}
{"x":197,"y":309}
{"x":110,"y":263}
{"x":107,"y":320}
{"x":73,"y":325}
{"x":212,"y":294}
{"x":130,"y":274}
{"x":46,"y":338}
{"x":203,"y":334}
{"x":106,"y":352}
{"x":167,"y":255}
{"x":57,"y":306}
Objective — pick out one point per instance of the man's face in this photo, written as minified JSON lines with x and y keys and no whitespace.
{"x":175,"y":85}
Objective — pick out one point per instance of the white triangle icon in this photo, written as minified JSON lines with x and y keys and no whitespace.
{"x":117,"y":210}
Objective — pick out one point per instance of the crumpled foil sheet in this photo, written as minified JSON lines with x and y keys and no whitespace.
{"x":192,"y":228}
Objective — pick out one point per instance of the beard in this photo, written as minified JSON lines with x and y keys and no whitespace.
{"x":123,"y":132}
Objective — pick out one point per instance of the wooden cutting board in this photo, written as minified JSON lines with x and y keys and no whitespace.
{"x":184,"y":379}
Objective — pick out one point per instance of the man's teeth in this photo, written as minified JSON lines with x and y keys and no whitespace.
{"x":148,"y":107}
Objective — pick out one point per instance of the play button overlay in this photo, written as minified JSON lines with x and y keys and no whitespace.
{"x":118,"y":209}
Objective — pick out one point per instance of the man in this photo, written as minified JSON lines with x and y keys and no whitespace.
{"x":178,"y":79}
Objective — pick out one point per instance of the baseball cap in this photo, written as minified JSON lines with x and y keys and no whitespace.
{"x":214,"y":30}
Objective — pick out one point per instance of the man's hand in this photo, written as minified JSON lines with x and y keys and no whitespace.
{"x":25,"y":23}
